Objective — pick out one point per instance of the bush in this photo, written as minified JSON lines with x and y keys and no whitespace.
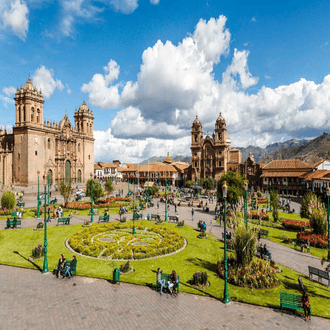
{"x":259,"y":194}
{"x":245,"y":245}
{"x":124,"y":268}
{"x":318,"y":220}
{"x":8,"y":200}
{"x":319,"y":241}
{"x":295,"y":224}
{"x":308,"y":200}
{"x":35,"y":211}
{"x":181,"y":223}
{"x":40,"y":225}
{"x":275,"y":204}
{"x":38,"y":252}
{"x":199,"y":278}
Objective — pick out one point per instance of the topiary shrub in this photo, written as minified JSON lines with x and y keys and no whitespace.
{"x":124,"y":268}
{"x":8,"y":200}
{"x":38,"y":252}
{"x":199,"y":278}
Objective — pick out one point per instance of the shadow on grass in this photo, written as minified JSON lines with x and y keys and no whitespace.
{"x":34,"y":264}
{"x":203,"y":263}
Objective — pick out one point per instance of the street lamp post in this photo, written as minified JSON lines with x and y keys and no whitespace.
{"x":92,"y":210}
{"x":166,"y":195}
{"x":133,"y":214}
{"x":48,"y":181}
{"x":328,"y":194}
{"x":45,"y":266}
{"x":246,"y":183}
{"x":287,"y":195}
{"x":226,"y":299}
{"x":270,"y":198}
{"x":38,"y":216}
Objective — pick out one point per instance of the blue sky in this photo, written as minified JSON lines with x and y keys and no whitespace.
{"x":147,"y":68}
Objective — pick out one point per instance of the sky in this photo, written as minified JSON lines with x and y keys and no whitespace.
{"x":147,"y":67}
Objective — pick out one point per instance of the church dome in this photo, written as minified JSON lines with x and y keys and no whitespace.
{"x":29,"y":86}
{"x":221,"y":119}
{"x":83,"y":107}
{"x":197,"y":122}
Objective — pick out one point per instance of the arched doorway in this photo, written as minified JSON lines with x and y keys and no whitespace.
{"x":50,"y":177}
{"x":79,"y":176}
{"x":67,"y":171}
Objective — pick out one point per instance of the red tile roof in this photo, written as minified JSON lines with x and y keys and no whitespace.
{"x":283,"y":174}
{"x":319,"y":174}
{"x":285,"y":164}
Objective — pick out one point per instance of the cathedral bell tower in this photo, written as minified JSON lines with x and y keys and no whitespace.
{"x":84,"y":120}
{"x":29,"y":105}
{"x":196,"y":148}
{"x":220,"y":130}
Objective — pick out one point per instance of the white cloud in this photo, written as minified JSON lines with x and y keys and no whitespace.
{"x":8,"y":128}
{"x":100,"y":92}
{"x":125,"y":6}
{"x":68,"y":90}
{"x":154,"y":2}
{"x":43,"y":79}
{"x":6,"y":100}
{"x":246,"y":44}
{"x":15,"y":15}
{"x":9,"y":90}
{"x":253,"y":19}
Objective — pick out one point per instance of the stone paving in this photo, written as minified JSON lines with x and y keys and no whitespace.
{"x":31,"y":300}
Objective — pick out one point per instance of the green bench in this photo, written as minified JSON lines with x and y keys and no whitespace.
{"x":137,"y":216}
{"x":320,"y":273}
{"x":173,"y":218}
{"x":53,"y":201}
{"x":291,"y":301}
{"x":155,"y":217}
{"x":104,"y":218}
{"x":20,"y":204}
{"x":73,"y":270}
{"x":166,"y":278}
{"x":13,"y":223}
{"x":65,"y":221}
{"x":95,"y":211}
{"x":300,"y":242}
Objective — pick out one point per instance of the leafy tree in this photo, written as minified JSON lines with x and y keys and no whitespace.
{"x":208,"y":184}
{"x":65,"y":190}
{"x":318,"y":220}
{"x":244,"y":245}
{"x":8,"y":200}
{"x":306,"y":209}
{"x":259,"y":194}
{"x":189,"y":183}
{"x":235,"y":183}
{"x":275,"y":204}
{"x":154,"y":190}
{"x":108,"y":186}
{"x":97,"y":189}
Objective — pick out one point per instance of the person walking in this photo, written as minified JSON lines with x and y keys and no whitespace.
{"x":192,"y":214}
{"x":305,"y":304}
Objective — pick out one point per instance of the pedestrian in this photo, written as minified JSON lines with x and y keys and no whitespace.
{"x":48,"y":220}
{"x":305,"y":304}
{"x":192,"y":214}
{"x":157,"y":205}
{"x":175,"y":208}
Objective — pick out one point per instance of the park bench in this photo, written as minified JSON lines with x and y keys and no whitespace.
{"x":53,"y":201}
{"x":20,"y":204}
{"x":166,"y":278}
{"x":73,"y":270}
{"x":65,"y":221}
{"x":104,"y":218}
{"x":320,"y":273}
{"x":173,"y":218}
{"x":137,"y":216}
{"x":13,"y":223}
{"x":300,"y":242}
{"x":95,"y":211}
{"x":155,"y":217}
{"x":291,"y":301}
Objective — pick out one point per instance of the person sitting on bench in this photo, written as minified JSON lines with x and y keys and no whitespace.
{"x":72,"y":265}
{"x":305,"y":245}
{"x":160,"y":281}
{"x":61,"y":265}
{"x":174,"y":283}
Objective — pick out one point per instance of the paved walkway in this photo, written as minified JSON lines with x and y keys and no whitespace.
{"x":31,"y":300}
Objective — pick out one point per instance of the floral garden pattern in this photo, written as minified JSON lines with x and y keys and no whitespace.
{"x":116,"y":242}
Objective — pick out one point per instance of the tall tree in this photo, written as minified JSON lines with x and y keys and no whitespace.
{"x":235,"y":183}
{"x":108,"y":186}
{"x":97,"y":189}
{"x":8,"y":200}
{"x":65,"y":190}
{"x":275,"y":203}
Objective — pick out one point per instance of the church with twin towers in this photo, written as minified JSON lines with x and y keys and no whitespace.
{"x":44,"y":148}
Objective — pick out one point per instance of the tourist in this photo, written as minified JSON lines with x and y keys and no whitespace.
{"x":305,"y":245}
{"x":173,"y":282}
{"x":48,"y":211}
{"x":71,"y":266}
{"x":60,"y":266}
{"x":305,"y":304}
{"x":148,"y":216}
{"x":157,"y":205}
{"x":192,"y":214}
{"x":177,"y":217}
{"x":160,"y":281}
{"x":54,"y":212}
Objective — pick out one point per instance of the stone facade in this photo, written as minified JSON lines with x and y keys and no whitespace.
{"x":212,"y":156}
{"x":44,"y":148}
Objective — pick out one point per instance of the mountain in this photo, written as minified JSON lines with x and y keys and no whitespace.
{"x":260,"y":154}
{"x":178,"y":158}
{"x":309,"y":152}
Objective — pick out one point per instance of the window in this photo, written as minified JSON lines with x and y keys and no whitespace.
{"x":38,"y":116}
{"x":32,"y":114}
{"x":89,"y":156}
{"x":195,"y":164}
{"x":219,"y":136}
{"x":195,"y":153}
{"x":220,"y":152}
{"x":196,"y":138}
{"x":78,"y":147}
{"x":220,"y":163}
{"x":48,"y":143}
{"x":19,"y":156}
{"x":36,"y":153}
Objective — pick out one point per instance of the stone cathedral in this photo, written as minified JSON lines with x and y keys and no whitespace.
{"x":212,"y":156}
{"x":59,"y":151}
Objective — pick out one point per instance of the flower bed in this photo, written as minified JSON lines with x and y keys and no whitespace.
{"x":257,"y":275}
{"x":112,"y":199}
{"x":295,"y":224}
{"x":122,"y":244}
{"x":318,"y":241}
{"x":5,"y":212}
{"x":262,"y":215}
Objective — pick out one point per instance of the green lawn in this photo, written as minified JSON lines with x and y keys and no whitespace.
{"x":202,"y":255}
